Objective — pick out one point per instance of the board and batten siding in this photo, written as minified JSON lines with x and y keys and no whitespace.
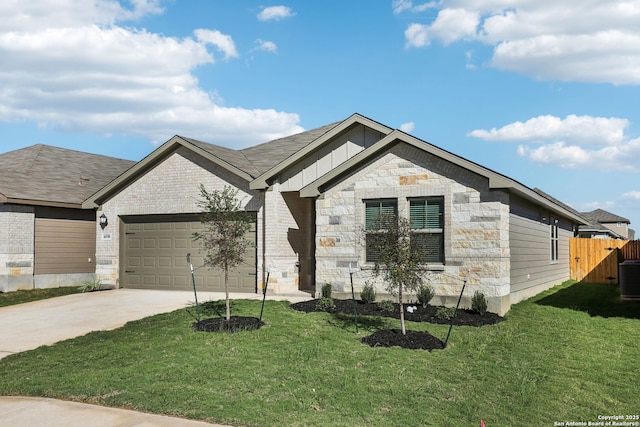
{"x":65,"y":241}
{"x":532,"y":269}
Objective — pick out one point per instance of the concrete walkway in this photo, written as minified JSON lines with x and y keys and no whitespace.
{"x":41,"y":412}
{"x":31,"y":325}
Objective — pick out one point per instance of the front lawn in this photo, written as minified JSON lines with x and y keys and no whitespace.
{"x":28,"y":295}
{"x":549,"y":361}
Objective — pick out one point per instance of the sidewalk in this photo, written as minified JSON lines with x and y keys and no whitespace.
{"x":41,"y":412}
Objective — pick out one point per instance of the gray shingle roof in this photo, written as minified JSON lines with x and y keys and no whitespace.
{"x":267,"y":155}
{"x":260,"y":158}
{"x":41,"y":174}
{"x":602,"y":216}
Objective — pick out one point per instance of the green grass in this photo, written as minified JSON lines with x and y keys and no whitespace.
{"x":551,"y":360}
{"x":22,"y":296}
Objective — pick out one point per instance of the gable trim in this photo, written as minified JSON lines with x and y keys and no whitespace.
{"x":158,"y":155}
{"x":263,"y":181}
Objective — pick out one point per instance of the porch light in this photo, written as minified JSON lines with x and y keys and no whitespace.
{"x":103,"y":221}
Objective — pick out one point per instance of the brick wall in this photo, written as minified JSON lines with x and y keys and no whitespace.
{"x":16,"y":247}
{"x":476,"y":226}
{"x":288,"y":239}
{"x":168,"y":188}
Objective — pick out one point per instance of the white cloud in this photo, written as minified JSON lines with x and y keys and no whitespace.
{"x":408,"y":127}
{"x":588,"y":41}
{"x":449,"y":26}
{"x":634,"y":195}
{"x":69,"y":66}
{"x":590,"y":206}
{"x":583,"y":129}
{"x":223,"y":42}
{"x":275,"y":13}
{"x":266,"y":46}
{"x":400,"y":6}
{"x":575,"y":142}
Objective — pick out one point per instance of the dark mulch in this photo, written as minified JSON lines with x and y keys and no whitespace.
{"x":413,"y":340}
{"x":394,"y":337}
{"x":421,"y":314}
{"x":221,"y":324}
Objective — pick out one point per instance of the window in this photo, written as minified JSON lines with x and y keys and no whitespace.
{"x":373,"y":210}
{"x":427,"y":222}
{"x":554,"y":240}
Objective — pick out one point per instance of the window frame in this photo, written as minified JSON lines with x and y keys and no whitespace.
{"x":427,"y":228}
{"x":368,"y":257}
{"x":553,"y":237}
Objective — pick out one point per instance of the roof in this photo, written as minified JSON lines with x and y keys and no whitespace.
{"x":248,"y":163}
{"x":588,"y":224}
{"x":50,"y":176}
{"x":259,"y":164}
{"x":602,"y":216}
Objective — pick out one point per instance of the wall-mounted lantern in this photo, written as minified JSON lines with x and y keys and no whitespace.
{"x":103,"y":221}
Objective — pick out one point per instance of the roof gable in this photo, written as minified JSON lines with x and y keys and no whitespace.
{"x":496,"y":180}
{"x":330,"y":132}
{"x":51,"y":176}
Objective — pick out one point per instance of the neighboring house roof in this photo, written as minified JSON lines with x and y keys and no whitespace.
{"x":50,"y":176}
{"x":601,"y":216}
{"x":260,"y":164}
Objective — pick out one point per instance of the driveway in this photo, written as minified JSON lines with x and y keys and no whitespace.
{"x":31,"y":325}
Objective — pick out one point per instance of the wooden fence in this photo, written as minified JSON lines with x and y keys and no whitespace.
{"x":596,"y":260}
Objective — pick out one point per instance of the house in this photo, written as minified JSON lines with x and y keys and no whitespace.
{"x":46,"y":238}
{"x":617,"y":226}
{"x":310,"y":194}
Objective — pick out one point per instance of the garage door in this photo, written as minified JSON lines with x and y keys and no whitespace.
{"x":65,"y":241}
{"x":154,"y":253}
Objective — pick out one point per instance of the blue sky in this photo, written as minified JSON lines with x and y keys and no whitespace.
{"x":545,"y":92}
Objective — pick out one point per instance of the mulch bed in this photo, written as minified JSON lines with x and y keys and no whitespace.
{"x":421,"y":314}
{"x":221,"y":324}
{"x":394,"y":337}
{"x":413,"y":340}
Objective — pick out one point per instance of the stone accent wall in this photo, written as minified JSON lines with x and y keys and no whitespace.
{"x":171,"y":187}
{"x":476,"y":226}
{"x":16,"y":247}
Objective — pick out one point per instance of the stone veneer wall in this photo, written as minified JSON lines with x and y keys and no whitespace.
{"x":476,"y":226}
{"x":16,"y":247}
{"x":170,"y":187}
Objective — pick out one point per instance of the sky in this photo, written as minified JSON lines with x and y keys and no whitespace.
{"x":543,"y":91}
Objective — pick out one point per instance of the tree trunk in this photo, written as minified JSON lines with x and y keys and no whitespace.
{"x":226,"y":292}
{"x":404,"y":331}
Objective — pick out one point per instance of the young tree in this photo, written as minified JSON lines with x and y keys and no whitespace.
{"x":395,"y":258}
{"x":223,"y":237}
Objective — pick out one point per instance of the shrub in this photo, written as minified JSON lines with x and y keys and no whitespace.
{"x":425,"y":294}
{"x":91,"y":285}
{"x":326,"y":290}
{"x":368,"y":294}
{"x":479,"y":302}
{"x":385,"y":305}
{"x":325,"y":304}
{"x":445,"y":312}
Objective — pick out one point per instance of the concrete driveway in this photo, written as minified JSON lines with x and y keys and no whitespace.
{"x":31,"y":325}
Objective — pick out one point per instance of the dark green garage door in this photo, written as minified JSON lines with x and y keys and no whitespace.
{"x":154,"y":256}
